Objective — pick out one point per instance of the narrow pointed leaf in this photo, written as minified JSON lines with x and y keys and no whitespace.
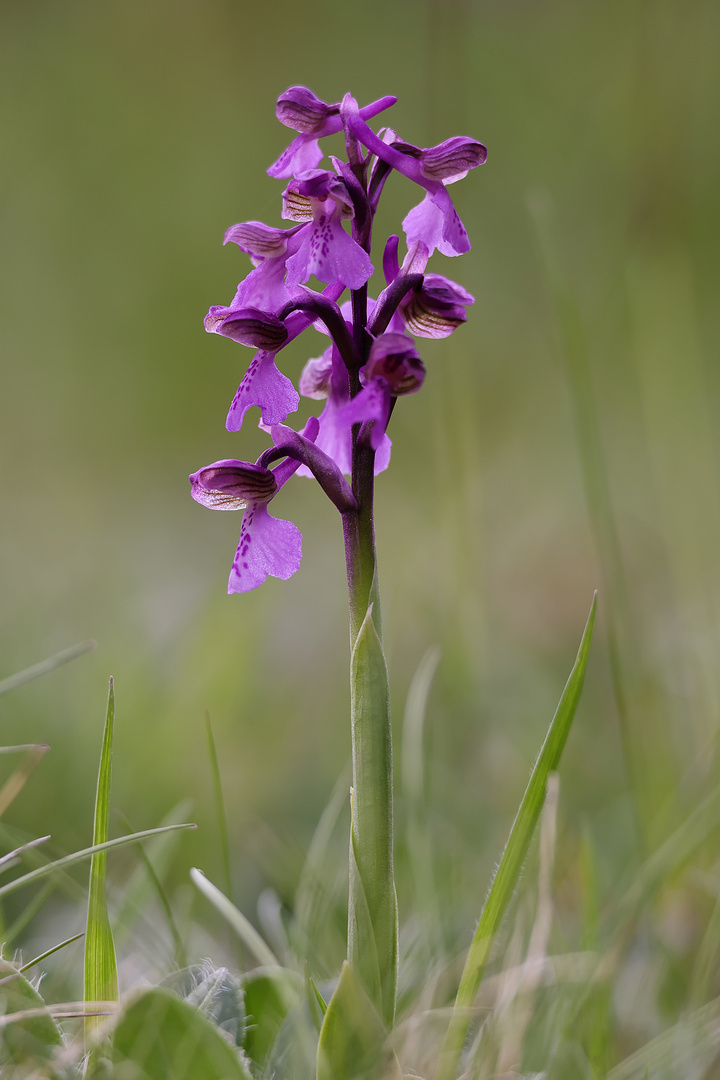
{"x":49,"y":952}
{"x":219,"y":806}
{"x":34,"y":672}
{"x":373,"y":904}
{"x":101,"y":978}
{"x":17,"y":780}
{"x":235,"y":918}
{"x":85,"y":853}
{"x":513,"y":857}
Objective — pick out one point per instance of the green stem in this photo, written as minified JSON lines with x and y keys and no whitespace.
{"x":372,"y":909}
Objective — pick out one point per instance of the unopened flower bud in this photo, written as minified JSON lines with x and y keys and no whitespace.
{"x":453,"y":159}
{"x":232,"y":485}
{"x":316,"y":375}
{"x":436,"y":307}
{"x":298,"y":108}
{"x":248,"y":326}
{"x":394,"y":358}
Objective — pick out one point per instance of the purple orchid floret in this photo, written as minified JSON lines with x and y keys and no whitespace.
{"x":304,"y":151}
{"x":325,"y":249}
{"x":264,"y":385}
{"x":325,"y":376}
{"x":393,"y":369}
{"x":298,"y":108}
{"x":248,"y":326}
{"x":268,"y":545}
{"x":435,"y":306}
{"x":434,"y":221}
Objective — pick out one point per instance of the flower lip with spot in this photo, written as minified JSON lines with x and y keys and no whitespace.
{"x":394,"y":359}
{"x":268,"y":545}
{"x":248,"y":326}
{"x":325,"y":249}
{"x":232,"y":485}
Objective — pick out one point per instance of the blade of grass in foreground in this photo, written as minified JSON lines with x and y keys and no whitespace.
{"x":180,"y":954}
{"x":235,"y":918}
{"x":17,"y":780}
{"x":219,"y":807}
{"x":513,"y":857}
{"x":85,"y":853}
{"x":34,"y":672}
{"x":49,"y":952}
{"x":101,"y":977}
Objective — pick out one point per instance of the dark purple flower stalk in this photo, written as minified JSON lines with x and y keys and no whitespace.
{"x":369,"y":364}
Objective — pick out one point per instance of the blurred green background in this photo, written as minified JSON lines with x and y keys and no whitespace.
{"x":134,"y":133}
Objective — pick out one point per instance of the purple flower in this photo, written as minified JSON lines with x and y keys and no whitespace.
{"x":393,"y":369}
{"x":434,"y":221}
{"x":248,"y":326}
{"x":326,"y":376}
{"x":264,"y":287}
{"x":268,"y":545}
{"x":263,"y":385}
{"x":325,"y":249}
{"x":436,"y":308}
{"x":298,"y":108}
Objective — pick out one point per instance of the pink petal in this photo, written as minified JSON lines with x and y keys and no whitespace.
{"x":267,"y":545}
{"x":265,"y":386}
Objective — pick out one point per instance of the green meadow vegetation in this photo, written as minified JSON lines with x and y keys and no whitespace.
{"x":174,"y":854}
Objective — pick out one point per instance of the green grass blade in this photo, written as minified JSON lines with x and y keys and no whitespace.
{"x":313,"y":932}
{"x":86,"y":853}
{"x":45,"y":666}
{"x":17,"y":780}
{"x":101,"y":977}
{"x":13,"y":857}
{"x":28,"y":913}
{"x":180,"y":954}
{"x":235,"y":919}
{"x":412,"y":773}
{"x":139,"y":889}
{"x":23,"y":748}
{"x":219,"y":807}
{"x":49,"y":952}
{"x":513,"y":857}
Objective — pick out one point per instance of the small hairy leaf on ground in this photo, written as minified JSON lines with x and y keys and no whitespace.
{"x":34,"y":1039}
{"x":161,"y":1037}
